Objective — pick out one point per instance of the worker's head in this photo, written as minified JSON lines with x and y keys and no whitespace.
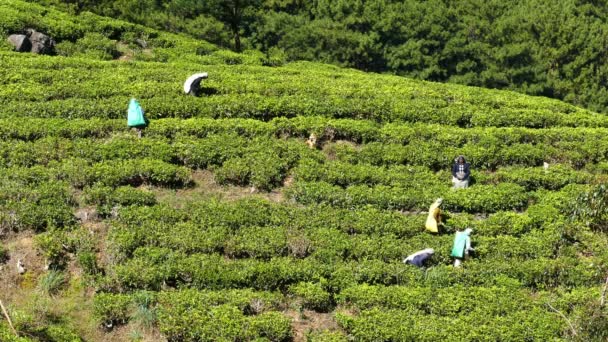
{"x":429,"y":250}
{"x":439,"y":201}
{"x":461,"y":159}
{"x":468,"y":231}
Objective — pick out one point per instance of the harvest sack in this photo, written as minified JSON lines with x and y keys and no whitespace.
{"x":434,"y":218}
{"x":135,"y":116}
{"x":462,"y":244}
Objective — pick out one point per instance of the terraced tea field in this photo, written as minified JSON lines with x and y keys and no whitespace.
{"x":222,"y":224}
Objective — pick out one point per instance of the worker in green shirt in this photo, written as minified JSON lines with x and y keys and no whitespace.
{"x":462,"y":246}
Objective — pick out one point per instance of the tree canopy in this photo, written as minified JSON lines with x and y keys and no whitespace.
{"x":539,"y":47}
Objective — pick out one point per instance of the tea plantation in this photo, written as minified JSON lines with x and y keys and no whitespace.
{"x":222,"y":224}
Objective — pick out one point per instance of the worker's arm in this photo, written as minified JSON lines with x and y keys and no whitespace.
{"x":438,"y":216}
{"x":468,"y":245}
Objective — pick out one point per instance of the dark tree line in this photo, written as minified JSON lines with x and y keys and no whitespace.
{"x":553,"y":48}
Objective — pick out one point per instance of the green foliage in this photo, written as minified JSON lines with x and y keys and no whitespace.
{"x":92,"y":45}
{"x":326,"y":335}
{"x":7,"y":335}
{"x":273,"y":326}
{"x":516,"y":47}
{"x":122,"y":172}
{"x":52,"y":332}
{"x":3,"y":254}
{"x":313,"y":295}
{"x":256,"y":242}
{"x":51,"y":282}
{"x":104,"y":91}
{"x":220,"y":315}
{"x":145,"y":314}
{"x":111,"y":308}
{"x":53,"y":245}
{"x":107,"y":198}
{"x":591,"y":208}
{"x":391,"y":324}
{"x":476,"y":199}
{"x":593,"y":322}
{"x":264,"y":170}
{"x":87,"y":260}
{"x":35,"y":206}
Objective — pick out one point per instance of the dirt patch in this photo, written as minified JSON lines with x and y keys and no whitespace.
{"x":127,"y":53}
{"x":310,"y":321}
{"x":20,"y":247}
{"x":129,"y":332}
{"x":288,"y":181}
{"x":125,"y":58}
{"x":86,"y":214}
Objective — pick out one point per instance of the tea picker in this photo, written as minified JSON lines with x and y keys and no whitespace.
{"x":135,"y":117}
{"x":418,"y":258}
{"x":462,"y":246}
{"x":434,"y":219}
{"x":461,"y":171}
{"x":192,"y":85}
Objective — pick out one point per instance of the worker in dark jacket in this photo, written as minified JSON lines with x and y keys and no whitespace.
{"x":461,"y":171}
{"x":419,"y":257}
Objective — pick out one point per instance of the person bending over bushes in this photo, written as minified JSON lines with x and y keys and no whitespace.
{"x":433,"y":221}
{"x":420,"y":257}
{"x":462,"y":246}
{"x":135,"y":117}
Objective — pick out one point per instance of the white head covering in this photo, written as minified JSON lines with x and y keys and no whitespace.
{"x":194,"y":80}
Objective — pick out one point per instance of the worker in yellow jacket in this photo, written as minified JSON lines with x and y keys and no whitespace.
{"x":434,"y":219}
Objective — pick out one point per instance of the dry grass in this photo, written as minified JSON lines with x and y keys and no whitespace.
{"x":19,"y":246}
{"x":205,"y":187}
{"x":73,"y":304}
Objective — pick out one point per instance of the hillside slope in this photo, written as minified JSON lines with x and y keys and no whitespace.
{"x":223,"y":222}
{"x":537,"y":47}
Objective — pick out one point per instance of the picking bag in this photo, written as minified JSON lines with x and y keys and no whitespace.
{"x":135,"y":115}
{"x":460,"y":243}
{"x":432,"y":221}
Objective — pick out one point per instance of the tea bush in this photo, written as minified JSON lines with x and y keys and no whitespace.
{"x":107,"y":198}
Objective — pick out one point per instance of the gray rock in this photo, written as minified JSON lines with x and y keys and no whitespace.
{"x":142,"y":43}
{"x":20,"y":42}
{"x":41,"y":43}
{"x":20,"y":267}
{"x":85,"y":215}
{"x":114,"y":212}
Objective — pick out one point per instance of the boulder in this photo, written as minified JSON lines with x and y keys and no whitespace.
{"x":20,"y":42}
{"x":20,"y":267}
{"x":141,"y":43}
{"x":32,"y":41}
{"x":41,"y":43}
{"x":85,"y":215}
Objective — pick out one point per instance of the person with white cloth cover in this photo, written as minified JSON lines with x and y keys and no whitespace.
{"x":193,"y":83}
{"x":419,"y":257}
